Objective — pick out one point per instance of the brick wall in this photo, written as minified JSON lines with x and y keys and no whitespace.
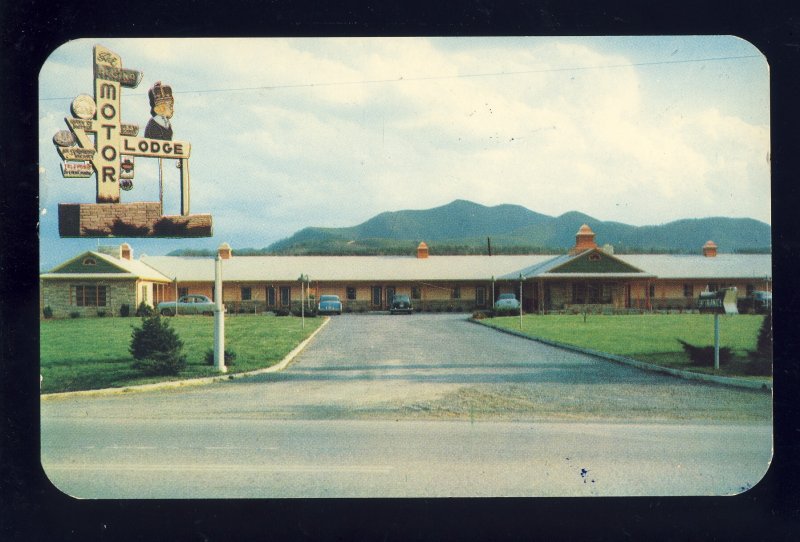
{"x":137,"y":219}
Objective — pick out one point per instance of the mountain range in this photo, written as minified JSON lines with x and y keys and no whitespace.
{"x":465,"y":227}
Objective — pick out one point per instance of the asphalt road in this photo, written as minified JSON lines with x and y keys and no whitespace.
{"x":422,"y":405}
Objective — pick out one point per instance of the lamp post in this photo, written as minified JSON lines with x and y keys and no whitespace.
{"x":303,"y":279}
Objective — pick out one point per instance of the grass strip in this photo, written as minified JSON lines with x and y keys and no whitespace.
{"x":651,"y":338}
{"x":92,"y":353}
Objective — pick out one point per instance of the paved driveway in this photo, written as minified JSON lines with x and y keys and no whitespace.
{"x":438,"y":365}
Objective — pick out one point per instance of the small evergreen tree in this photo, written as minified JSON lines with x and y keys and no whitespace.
{"x":761,"y":357}
{"x":157,"y":348}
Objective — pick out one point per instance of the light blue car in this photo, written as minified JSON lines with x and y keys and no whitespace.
{"x":329,"y":304}
{"x":506,"y":302}
{"x":188,"y":304}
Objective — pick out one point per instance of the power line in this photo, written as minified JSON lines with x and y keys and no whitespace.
{"x":402,"y":79}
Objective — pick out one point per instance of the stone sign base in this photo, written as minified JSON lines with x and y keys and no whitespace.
{"x":140,"y":219}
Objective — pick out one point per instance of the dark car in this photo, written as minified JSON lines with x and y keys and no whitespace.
{"x":762,"y":302}
{"x":401,"y":304}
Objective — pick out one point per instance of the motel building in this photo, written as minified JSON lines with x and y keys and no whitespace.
{"x":587,"y":278}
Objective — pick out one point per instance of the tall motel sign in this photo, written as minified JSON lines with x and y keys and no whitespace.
{"x":110,"y":158}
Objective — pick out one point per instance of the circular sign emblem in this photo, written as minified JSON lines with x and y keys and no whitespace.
{"x":84,"y":107}
{"x":64,"y":138}
{"x":126,"y":184}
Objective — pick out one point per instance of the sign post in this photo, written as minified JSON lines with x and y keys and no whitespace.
{"x":716,"y":303}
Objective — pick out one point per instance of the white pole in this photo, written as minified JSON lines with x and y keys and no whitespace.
{"x":219,"y":319}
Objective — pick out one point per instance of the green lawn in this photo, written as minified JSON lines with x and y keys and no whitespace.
{"x":92,"y":353}
{"x":645,"y":337}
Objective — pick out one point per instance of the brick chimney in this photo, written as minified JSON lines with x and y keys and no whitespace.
{"x":584,"y":240}
{"x":125,"y":252}
{"x":710,"y":249}
{"x":225,"y":251}
{"x":422,"y":250}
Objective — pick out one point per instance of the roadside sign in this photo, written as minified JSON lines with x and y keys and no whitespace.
{"x":720,"y":302}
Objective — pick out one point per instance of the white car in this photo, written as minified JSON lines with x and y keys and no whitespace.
{"x":506,"y":302}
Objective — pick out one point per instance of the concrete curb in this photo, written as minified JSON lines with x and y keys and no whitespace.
{"x":761,"y":385}
{"x":193,"y":381}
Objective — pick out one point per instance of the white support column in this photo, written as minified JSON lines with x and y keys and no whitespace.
{"x":219,"y":319}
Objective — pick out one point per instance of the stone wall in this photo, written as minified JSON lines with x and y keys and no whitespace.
{"x":56,"y":295}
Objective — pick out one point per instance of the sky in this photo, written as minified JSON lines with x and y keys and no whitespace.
{"x":297,"y":132}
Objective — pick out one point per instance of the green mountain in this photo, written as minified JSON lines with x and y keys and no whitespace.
{"x":463,"y":227}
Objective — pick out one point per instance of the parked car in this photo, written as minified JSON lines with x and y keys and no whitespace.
{"x":329,"y":304}
{"x":188,"y":304}
{"x":506,"y":302}
{"x":762,"y":302}
{"x":401,"y":304}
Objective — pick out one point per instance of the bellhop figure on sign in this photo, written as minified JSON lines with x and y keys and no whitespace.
{"x":162,"y":107}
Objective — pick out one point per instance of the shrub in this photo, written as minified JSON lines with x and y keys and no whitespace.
{"x":760,"y":359}
{"x":161,"y":364}
{"x":124,"y":310}
{"x":101,"y":314}
{"x":144,"y":310}
{"x":75,"y":314}
{"x":156,"y":347}
{"x":704,"y":355}
{"x":47,"y":312}
{"x":230,"y":357}
{"x":282,"y":312}
{"x":478,"y":315}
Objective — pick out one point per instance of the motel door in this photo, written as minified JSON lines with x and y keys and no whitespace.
{"x":377,"y":297}
{"x":389,"y":295}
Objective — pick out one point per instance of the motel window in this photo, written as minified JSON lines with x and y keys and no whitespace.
{"x":88,"y":295}
{"x":144,"y":293}
{"x":652,"y":291}
{"x":89,"y":261}
{"x":247,"y":293}
{"x":159,"y":293}
{"x":579,"y":293}
{"x":286,"y":296}
{"x":688,"y":290}
{"x":271,"y":296}
{"x":750,"y":289}
{"x":183,"y":291}
{"x":456,"y":292}
{"x":415,"y":292}
{"x":351,"y":293}
{"x":713,"y":286}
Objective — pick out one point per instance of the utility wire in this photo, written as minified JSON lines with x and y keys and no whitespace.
{"x":402,"y":79}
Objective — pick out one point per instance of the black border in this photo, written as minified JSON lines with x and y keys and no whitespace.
{"x":31,"y":509}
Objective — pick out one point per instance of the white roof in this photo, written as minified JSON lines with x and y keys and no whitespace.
{"x":410,"y":268}
{"x":722,"y":266}
{"x":343,"y":268}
